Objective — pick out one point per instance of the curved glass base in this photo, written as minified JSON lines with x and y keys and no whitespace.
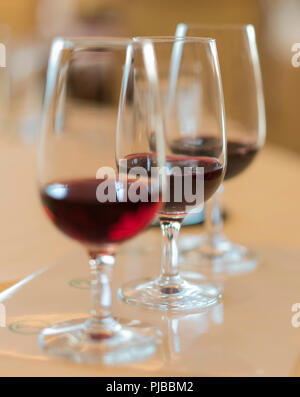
{"x":218,"y":255}
{"x":178,"y":296}
{"x":77,"y":341}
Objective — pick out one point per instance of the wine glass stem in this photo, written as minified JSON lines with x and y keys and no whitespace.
{"x":213,"y":216}
{"x":170,"y":231}
{"x":100,"y":320}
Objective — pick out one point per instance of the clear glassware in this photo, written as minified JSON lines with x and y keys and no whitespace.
{"x":192,"y":105}
{"x":246,"y":132}
{"x":90,"y":99}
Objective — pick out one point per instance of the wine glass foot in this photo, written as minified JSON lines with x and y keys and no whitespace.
{"x":74,"y":340}
{"x":178,"y":297}
{"x":222,"y":256}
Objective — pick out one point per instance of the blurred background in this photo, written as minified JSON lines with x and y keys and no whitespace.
{"x":28,"y":26}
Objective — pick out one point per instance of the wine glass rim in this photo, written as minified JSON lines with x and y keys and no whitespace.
{"x":93,"y":41}
{"x":172,"y":39}
{"x":230,"y":26}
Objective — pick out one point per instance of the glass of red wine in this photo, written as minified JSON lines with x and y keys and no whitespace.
{"x":90,"y":99}
{"x":192,"y":106}
{"x":245,"y":130}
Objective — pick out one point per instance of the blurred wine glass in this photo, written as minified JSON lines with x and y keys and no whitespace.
{"x":245,"y":130}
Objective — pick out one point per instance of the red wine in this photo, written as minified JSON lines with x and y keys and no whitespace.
{"x":240,"y":156}
{"x":239,"y":153}
{"x":212,"y":178}
{"x":74,"y":208}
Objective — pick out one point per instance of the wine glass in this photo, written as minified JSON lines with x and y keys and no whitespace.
{"x":192,"y":106}
{"x":246,"y":132}
{"x":90,"y":98}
